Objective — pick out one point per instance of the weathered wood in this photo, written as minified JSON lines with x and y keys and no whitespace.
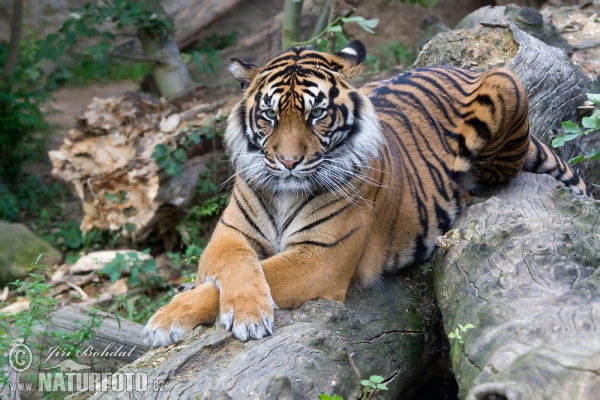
{"x":525,"y":272}
{"x":388,"y":330}
{"x":108,"y":337}
{"x":108,"y":160}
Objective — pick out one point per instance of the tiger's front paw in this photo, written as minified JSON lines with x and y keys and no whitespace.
{"x":186,"y":311}
{"x":247,"y":312}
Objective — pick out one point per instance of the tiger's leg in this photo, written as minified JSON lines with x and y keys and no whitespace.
{"x":542,"y":160}
{"x":246,"y":290}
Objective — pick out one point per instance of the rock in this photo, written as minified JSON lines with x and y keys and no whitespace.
{"x":19,"y":250}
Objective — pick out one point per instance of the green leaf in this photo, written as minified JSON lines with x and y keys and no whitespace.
{"x":39,"y":257}
{"x":336,"y":397}
{"x":451,"y":335}
{"x":160,"y":151}
{"x":382,"y":386}
{"x":576,"y":160}
{"x":561,"y":139}
{"x":365,"y":382}
{"x":590,"y":122}
{"x":323,"y":396}
{"x":469,"y":326}
{"x":595,"y":156}
{"x":376,"y":378}
{"x":335,"y":28}
{"x":179,"y":155}
{"x":594,"y":98}
{"x":118,"y":319}
{"x":571,"y":127}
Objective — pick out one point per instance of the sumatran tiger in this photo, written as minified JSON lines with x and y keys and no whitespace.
{"x":335,"y":185}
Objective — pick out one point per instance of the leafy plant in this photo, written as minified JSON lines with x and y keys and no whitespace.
{"x":388,"y":55}
{"x":139,"y":270}
{"x":334,"y":396}
{"x":369,"y":386}
{"x":458,"y":340}
{"x":337,"y":25}
{"x":422,"y":3}
{"x":573,"y":131}
{"x":30,"y":327}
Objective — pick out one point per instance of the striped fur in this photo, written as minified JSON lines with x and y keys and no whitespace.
{"x":336,"y":185}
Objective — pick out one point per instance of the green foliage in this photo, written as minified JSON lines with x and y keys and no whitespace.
{"x":140,"y":309}
{"x":29,"y":327}
{"x":458,"y":340}
{"x":81,"y":23}
{"x":375,"y":382}
{"x":139,"y":270}
{"x":204,"y":54}
{"x":422,"y":3}
{"x":170,"y":159}
{"x":573,"y":131}
{"x":334,"y":396}
{"x":26,"y":197}
{"x":387,"y":56}
{"x":86,"y":70}
{"x":22,"y":99}
{"x":337,"y":26}
{"x":456,"y":334}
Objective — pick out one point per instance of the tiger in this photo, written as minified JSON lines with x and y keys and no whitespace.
{"x":337,"y":186}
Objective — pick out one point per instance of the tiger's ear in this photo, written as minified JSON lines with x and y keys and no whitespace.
{"x":243,"y":72}
{"x":351,"y":59}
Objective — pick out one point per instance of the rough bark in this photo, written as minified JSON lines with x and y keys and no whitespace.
{"x":110,"y":336}
{"x":555,"y":86}
{"x":386,"y":329}
{"x":522,"y":267}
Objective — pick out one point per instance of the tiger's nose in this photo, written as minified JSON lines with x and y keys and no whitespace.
{"x":289,"y":163}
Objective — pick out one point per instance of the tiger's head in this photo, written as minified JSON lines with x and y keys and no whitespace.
{"x":301,"y":126}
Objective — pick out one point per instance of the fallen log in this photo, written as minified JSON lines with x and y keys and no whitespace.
{"x":522,"y":267}
{"x":123,"y":337}
{"x":388,"y":331}
{"x":110,"y":160}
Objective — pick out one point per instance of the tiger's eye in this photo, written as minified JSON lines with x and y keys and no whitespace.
{"x":271,"y":113}
{"x":317,"y":112}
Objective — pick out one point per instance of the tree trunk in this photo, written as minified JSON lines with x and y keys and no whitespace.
{"x":171,"y":73}
{"x":523,"y":268}
{"x":292,"y":12}
{"x":12,"y":57}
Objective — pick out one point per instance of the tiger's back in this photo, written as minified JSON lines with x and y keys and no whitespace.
{"x":447,"y":131}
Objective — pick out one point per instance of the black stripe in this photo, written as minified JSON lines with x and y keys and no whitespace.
{"x":261,"y":249}
{"x":323,"y":244}
{"x":480,"y":127}
{"x":248,"y":218}
{"x":321,"y":220}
